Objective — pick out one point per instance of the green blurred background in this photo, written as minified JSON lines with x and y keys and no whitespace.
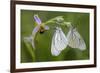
{"x":42,"y":53}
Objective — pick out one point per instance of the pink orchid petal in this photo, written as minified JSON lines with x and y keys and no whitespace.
{"x":37,"y":19}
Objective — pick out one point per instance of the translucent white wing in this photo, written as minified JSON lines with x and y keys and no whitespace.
{"x":75,"y":40}
{"x":59,"y":42}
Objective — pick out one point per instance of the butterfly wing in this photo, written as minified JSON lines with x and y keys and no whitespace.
{"x":75,"y":40}
{"x":59,"y":42}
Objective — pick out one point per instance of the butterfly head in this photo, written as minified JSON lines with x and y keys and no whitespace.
{"x":58,"y":28}
{"x":68,"y":24}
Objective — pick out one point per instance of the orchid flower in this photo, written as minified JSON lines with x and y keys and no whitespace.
{"x":40,"y":27}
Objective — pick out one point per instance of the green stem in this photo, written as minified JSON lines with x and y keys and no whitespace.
{"x":52,"y":20}
{"x":29,"y":48}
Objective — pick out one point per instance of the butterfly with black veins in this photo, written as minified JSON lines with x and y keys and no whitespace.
{"x":75,"y":40}
{"x":59,"y":42}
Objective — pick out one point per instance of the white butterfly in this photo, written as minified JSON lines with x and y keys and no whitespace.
{"x":59,"y":42}
{"x":75,"y":40}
